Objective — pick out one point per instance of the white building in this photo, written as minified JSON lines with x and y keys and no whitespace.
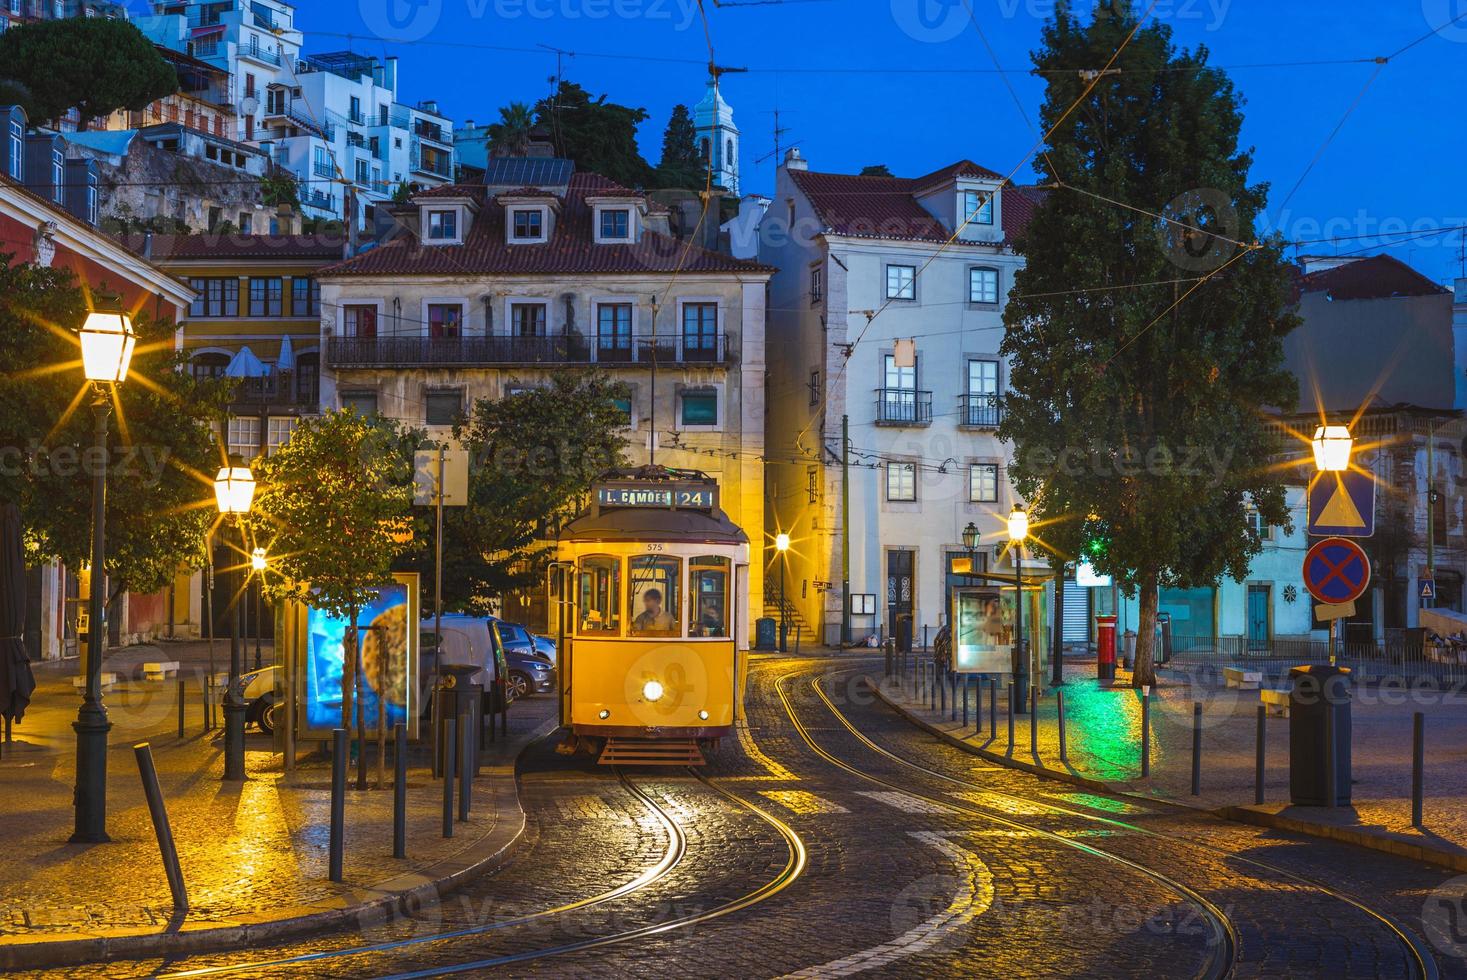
{"x":718,"y":137}
{"x":862,"y":268}
{"x":496,"y":287}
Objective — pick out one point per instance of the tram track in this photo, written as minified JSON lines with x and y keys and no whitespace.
{"x":1419,"y":960}
{"x":1222,"y":941}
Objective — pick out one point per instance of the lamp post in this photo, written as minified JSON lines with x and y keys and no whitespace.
{"x":107,"y":341}
{"x":234,"y":491}
{"x":1332,"y":446}
{"x":258,"y":563}
{"x":782,"y":545}
{"x":1018,"y":531}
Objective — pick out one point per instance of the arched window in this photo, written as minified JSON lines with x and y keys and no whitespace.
{"x":728,"y":154}
{"x":703,"y":148}
{"x":209,"y":364}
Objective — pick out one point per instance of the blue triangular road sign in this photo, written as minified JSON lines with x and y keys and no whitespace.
{"x":1342,"y":505}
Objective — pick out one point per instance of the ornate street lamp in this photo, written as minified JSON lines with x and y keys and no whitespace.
{"x":782,"y":545}
{"x":1019,"y":530}
{"x":234,"y":492}
{"x":107,"y":341}
{"x":1332,"y":445}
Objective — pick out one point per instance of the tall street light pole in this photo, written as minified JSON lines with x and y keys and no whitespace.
{"x":1018,"y":531}
{"x":234,"y":491}
{"x":107,"y":342}
{"x":782,"y":545}
{"x":1332,"y":446}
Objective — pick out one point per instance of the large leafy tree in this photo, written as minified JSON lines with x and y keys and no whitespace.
{"x":681,"y":164}
{"x":533,"y":457}
{"x":600,"y":136}
{"x":93,"y":64}
{"x":161,"y":447}
{"x":334,"y":504}
{"x":1138,"y":390}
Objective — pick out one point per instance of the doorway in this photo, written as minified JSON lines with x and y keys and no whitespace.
{"x":899,"y":570}
{"x":1258,"y":603}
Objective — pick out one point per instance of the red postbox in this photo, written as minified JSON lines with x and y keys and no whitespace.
{"x":1105,"y":643}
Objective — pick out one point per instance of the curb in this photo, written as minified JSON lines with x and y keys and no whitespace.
{"x":1399,"y":847}
{"x":355,"y":909}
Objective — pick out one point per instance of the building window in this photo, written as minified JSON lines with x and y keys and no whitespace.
{"x":624,"y":408}
{"x":356,"y":108}
{"x":978,"y":207}
{"x":527,"y":319}
{"x":321,"y":162}
{"x":363,"y":173}
{"x":983,"y":483}
{"x":699,"y":408}
{"x":901,"y":481}
{"x":815,"y":391}
{"x":214,"y":297}
{"x":58,"y":175}
{"x":700,"y":330}
{"x":359,"y":321}
{"x":982,"y":401}
{"x":244,"y":437}
{"x":983,"y":286}
{"x":901,"y":282}
{"x":614,"y":327}
{"x":817,"y":284}
{"x":17,"y":144}
{"x":364,"y":403}
{"x":208,"y":365}
{"x":305,"y":296}
{"x":444,"y":407}
{"x":528,"y":225}
{"x":444,"y":319}
{"x":265,"y":294}
{"x":277,"y":433}
{"x":442,"y":225}
{"x":250,"y":85}
{"x":616,"y":223}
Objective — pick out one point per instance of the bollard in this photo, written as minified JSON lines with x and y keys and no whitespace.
{"x":208,"y":708}
{"x":952,"y":681}
{"x":967,"y":683}
{"x":144,"y":754}
{"x":399,"y":790}
{"x":450,"y":744}
{"x":889,"y":649}
{"x":1011,"y":716}
{"x":1418,"y":763}
{"x":182,"y":700}
{"x":1331,"y":791}
{"x":941,"y":684}
{"x":1034,"y":722}
{"x":1258,"y":760}
{"x":1196,"y":748}
{"x":932,"y":685}
{"x":993,"y":707}
{"x":1059,"y":700}
{"x":465,"y":768}
{"x":1145,"y":731}
{"x":338,"y":801}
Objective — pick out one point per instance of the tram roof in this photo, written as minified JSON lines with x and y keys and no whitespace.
{"x":655,"y":524}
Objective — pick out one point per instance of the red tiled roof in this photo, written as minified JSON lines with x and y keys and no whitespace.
{"x":526,"y":192}
{"x":1378,"y":277}
{"x":887,"y":207}
{"x":164,"y":248}
{"x":571,"y":249}
{"x":475,"y":191}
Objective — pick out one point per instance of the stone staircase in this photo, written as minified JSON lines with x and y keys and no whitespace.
{"x":808,"y":635}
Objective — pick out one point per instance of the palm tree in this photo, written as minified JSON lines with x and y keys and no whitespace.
{"x":510,"y":137}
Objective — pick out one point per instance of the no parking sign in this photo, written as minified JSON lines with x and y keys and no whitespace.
{"x":1336,"y":570}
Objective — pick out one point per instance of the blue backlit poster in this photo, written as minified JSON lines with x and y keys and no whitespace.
{"x":387,"y":628}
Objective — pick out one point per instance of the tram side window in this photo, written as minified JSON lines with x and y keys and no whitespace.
{"x":599,"y":595}
{"x":654,"y":595}
{"x":708,"y":582}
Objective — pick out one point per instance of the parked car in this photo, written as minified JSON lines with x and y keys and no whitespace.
{"x":263,"y":706}
{"x":546,"y":646}
{"x":530,"y":671}
{"x":469,"y":641}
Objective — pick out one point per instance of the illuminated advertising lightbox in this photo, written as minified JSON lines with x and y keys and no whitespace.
{"x":388,"y":661}
{"x":983,"y":639}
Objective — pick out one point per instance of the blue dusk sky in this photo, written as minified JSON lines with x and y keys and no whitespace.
{"x":912,"y":84}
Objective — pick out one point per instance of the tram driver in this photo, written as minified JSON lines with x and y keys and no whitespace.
{"x":653,"y":618}
{"x":710,"y":618}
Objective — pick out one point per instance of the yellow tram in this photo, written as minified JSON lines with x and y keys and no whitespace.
{"x":649,"y":604}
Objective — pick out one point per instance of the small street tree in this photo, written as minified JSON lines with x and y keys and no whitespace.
{"x":161,"y":450}
{"x":681,"y":164}
{"x":533,"y":458}
{"x":334,"y":503}
{"x":93,"y":64}
{"x":1145,"y":350}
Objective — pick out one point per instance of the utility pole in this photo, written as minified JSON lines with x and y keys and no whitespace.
{"x":845,"y":529}
{"x":1430,"y":508}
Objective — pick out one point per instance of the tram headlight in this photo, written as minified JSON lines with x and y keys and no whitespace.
{"x":703,"y":715}
{"x":652,"y":690}
{"x":603,"y":714}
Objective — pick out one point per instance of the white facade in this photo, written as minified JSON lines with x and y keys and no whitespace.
{"x":718,"y":137}
{"x":924,"y":457}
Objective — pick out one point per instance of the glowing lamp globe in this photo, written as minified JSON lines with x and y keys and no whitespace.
{"x":234,"y":489}
{"x":782,"y":542}
{"x":258,"y":560}
{"x":1332,"y":445}
{"x":107,"y":340}
{"x":1018,"y":524}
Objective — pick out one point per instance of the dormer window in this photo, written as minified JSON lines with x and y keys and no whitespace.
{"x":978,"y":207}
{"x":616,"y":224}
{"x":442,"y":225}
{"x":527,"y":225}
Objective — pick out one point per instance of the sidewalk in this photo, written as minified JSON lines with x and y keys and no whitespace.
{"x":1104,"y":748}
{"x":254,"y":855}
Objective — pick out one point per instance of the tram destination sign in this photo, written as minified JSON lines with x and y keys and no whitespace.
{"x":670,"y":496}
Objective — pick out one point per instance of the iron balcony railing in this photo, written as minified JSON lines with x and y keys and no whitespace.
{"x":403,"y":352}
{"x":253,"y":50}
{"x":981,"y":411}
{"x":903,"y":406}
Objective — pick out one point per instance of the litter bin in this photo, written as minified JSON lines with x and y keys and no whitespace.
{"x":457,"y":696}
{"x":764,"y":633}
{"x":1163,"y":637}
{"x":1128,"y":652}
{"x":1319,"y":715}
{"x":1105,"y":648}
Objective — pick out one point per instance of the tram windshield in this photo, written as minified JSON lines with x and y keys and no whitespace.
{"x":653,"y":596}
{"x":599,"y":594}
{"x":708,"y":584}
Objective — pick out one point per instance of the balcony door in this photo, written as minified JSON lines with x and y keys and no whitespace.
{"x":614,"y":332}
{"x":982,"y":408}
{"x":445,"y":320}
{"x":899,"y":391}
{"x":700,"y":331}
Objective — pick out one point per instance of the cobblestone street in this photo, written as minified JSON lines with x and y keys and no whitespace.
{"x":835,"y":837}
